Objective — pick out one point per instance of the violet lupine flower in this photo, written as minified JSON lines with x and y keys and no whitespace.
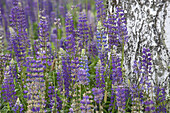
{"x":121,"y":25}
{"x":85,"y":105}
{"x":117,"y":70}
{"x":84,"y":62}
{"x":137,"y":96}
{"x":137,"y":68}
{"x":62,"y":11}
{"x":44,"y":36}
{"x":101,"y":14}
{"x":48,"y":7}
{"x":146,"y":70}
{"x":83,"y":30}
{"x":35,"y":85}
{"x":82,"y":77}
{"x":66,"y":73}
{"x":18,"y":107}
{"x":101,"y":42}
{"x":93,"y":51}
{"x":74,"y":69}
{"x":4,"y":61}
{"x":52,"y":17}
{"x":31,"y":10}
{"x":18,"y":34}
{"x":161,"y":100}
{"x":8,"y":87}
{"x":18,"y":23}
{"x":55,"y":101}
{"x":70,"y":45}
{"x":98,"y":95}
{"x":149,"y":106}
{"x":58,"y":67}
{"x":69,"y":25}
{"x":146,"y":61}
{"x":100,"y":80}
{"x":121,"y":98}
{"x":112,"y":30}
{"x":113,"y":104}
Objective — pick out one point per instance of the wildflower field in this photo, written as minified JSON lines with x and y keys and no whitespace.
{"x":68,"y":56}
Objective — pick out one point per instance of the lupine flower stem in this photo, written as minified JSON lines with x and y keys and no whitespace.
{"x":100,"y":111}
{"x":122,"y":54}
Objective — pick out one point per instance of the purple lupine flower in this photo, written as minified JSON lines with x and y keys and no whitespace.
{"x":84,"y":62}
{"x":69,"y":25}
{"x":121,"y":25}
{"x":137,"y":96}
{"x":52,"y":17}
{"x":66,"y":73}
{"x":59,"y":72}
{"x":100,"y":80}
{"x":15,"y":2}
{"x":101,"y":14}
{"x":113,"y":104}
{"x":117,"y":70}
{"x":18,"y":23}
{"x":31,"y":10}
{"x":35,"y":84}
{"x":98,"y":94}
{"x":146,"y":66}
{"x":55,"y":101}
{"x":70,"y":45}
{"x":101,"y":42}
{"x":83,"y":30}
{"x":8,"y":87}
{"x":146,"y":61}
{"x":160,"y":100}
{"x":44,"y":36}
{"x":18,"y":35}
{"x":112,"y":29}
{"x":137,"y":67}
{"x":85,"y":105}
{"x":4,"y":61}
{"x":149,"y":106}
{"x":93,"y":49}
{"x":82,"y":77}
{"x":18,"y":107}
{"x":62,"y":11}
{"x":48,"y":7}
{"x":121,"y":98}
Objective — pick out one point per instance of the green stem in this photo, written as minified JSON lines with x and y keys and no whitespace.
{"x":122,"y":54}
{"x":100,"y":111}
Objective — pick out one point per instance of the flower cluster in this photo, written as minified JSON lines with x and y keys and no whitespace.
{"x":8,"y":87}
{"x":120,"y":98}
{"x":35,"y":85}
{"x":83,"y":30}
{"x":98,"y":95}
{"x":85,"y":105}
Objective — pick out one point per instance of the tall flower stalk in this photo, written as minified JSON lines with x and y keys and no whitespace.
{"x":35,"y":85}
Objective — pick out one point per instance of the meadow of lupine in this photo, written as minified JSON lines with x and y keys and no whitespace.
{"x":68,"y":57}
